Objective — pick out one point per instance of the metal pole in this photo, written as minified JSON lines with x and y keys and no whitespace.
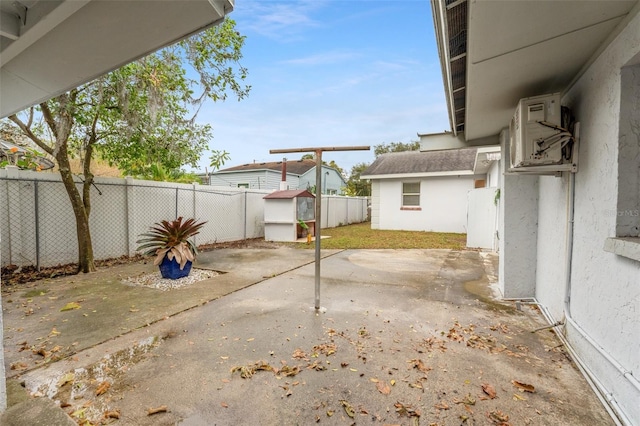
{"x":318,"y":225}
{"x":177,"y":202}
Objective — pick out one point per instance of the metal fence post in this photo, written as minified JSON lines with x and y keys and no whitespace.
{"x":177,"y":189}
{"x":37,"y":224}
{"x":195,"y":212}
{"x":127,"y":211}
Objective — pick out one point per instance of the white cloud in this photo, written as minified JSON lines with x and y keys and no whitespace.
{"x":277,"y":20}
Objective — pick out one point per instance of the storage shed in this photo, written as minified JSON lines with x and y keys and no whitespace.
{"x":282,"y":212}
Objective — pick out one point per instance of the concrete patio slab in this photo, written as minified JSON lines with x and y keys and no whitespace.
{"x":403,"y":337}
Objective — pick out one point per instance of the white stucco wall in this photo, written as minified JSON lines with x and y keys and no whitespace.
{"x":605,"y":296}
{"x":517,"y":230}
{"x":375,"y":204}
{"x":443,"y":202}
{"x":493,"y":175}
{"x":551,"y":247}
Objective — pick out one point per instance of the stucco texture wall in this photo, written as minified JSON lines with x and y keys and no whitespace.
{"x":443,"y":203}
{"x":605,"y":289}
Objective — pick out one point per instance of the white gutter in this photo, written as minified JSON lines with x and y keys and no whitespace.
{"x":419,"y":175}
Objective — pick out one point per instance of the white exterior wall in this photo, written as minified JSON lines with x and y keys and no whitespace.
{"x":517,"y":230}
{"x":375,"y":204}
{"x":604,"y":302}
{"x":605,"y":287}
{"x":443,"y":201}
{"x":493,"y":175}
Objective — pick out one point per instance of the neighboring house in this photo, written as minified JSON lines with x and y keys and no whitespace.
{"x":300,"y":174}
{"x":427,"y":190}
{"x":569,"y":242}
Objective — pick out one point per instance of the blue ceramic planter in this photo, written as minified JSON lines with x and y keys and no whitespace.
{"x":171,"y":269}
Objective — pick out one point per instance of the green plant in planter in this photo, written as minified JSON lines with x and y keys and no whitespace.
{"x":170,"y":240}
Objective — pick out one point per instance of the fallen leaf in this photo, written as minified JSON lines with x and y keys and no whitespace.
{"x":524,"y":386}
{"x":113,"y":414}
{"x":79,"y":413}
{"x":299,"y":354}
{"x":160,"y":409}
{"x":383,"y":388}
{"x":348,"y":408}
{"x":417,"y":363}
{"x":42,"y":352}
{"x":406,"y":410}
{"x":330,"y":413}
{"x":517,"y":397}
{"x":499,"y":417}
{"x":70,"y":306}
{"x":442,"y":405}
{"x":67,"y":378}
{"x":102,"y":388}
{"x":489,"y":390}
{"x":19,"y":366}
{"x":224,"y":405}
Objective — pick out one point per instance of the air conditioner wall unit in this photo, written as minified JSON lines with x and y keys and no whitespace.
{"x":536,"y":134}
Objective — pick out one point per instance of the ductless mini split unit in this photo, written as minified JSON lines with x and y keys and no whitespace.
{"x":542,"y":136}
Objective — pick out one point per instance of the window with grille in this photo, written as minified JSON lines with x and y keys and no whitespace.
{"x":410,"y":194}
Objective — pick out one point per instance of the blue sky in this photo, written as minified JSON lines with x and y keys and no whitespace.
{"x":330,"y":73}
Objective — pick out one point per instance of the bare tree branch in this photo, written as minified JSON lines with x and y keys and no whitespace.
{"x":27,"y":131}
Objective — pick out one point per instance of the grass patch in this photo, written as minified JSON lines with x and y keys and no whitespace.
{"x":361,"y":236}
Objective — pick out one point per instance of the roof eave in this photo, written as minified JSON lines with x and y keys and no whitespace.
{"x":419,"y":175}
{"x":439,"y":21}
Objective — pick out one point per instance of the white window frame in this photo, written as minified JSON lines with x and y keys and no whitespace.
{"x":410,"y":192}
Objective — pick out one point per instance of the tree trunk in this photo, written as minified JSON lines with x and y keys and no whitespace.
{"x":85,"y":248}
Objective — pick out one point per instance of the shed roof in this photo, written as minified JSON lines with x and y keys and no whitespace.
{"x":420,"y":162}
{"x":296,"y":167}
{"x":289,"y":193}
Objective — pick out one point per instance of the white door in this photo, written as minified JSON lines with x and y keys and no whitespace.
{"x":481,"y":218}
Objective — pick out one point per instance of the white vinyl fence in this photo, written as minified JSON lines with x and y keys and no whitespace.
{"x":37,"y":225}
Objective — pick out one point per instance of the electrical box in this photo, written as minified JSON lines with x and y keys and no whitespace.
{"x":537,"y":137}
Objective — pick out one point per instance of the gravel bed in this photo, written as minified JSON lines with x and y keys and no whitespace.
{"x":155,"y":280}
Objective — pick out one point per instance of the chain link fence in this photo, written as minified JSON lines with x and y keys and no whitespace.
{"x":37,"y":223}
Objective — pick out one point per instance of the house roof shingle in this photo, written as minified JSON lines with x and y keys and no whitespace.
{"x":296,"y":167}
{"x":422,"y":162}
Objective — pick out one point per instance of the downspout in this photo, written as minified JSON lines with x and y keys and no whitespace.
{"x":567,"y":298}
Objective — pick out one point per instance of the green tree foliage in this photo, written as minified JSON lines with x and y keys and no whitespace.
{"x":218,"y":158}
{"x":357,"y":186}
{"x":385,"y":148}
{"x":139,"y":117}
